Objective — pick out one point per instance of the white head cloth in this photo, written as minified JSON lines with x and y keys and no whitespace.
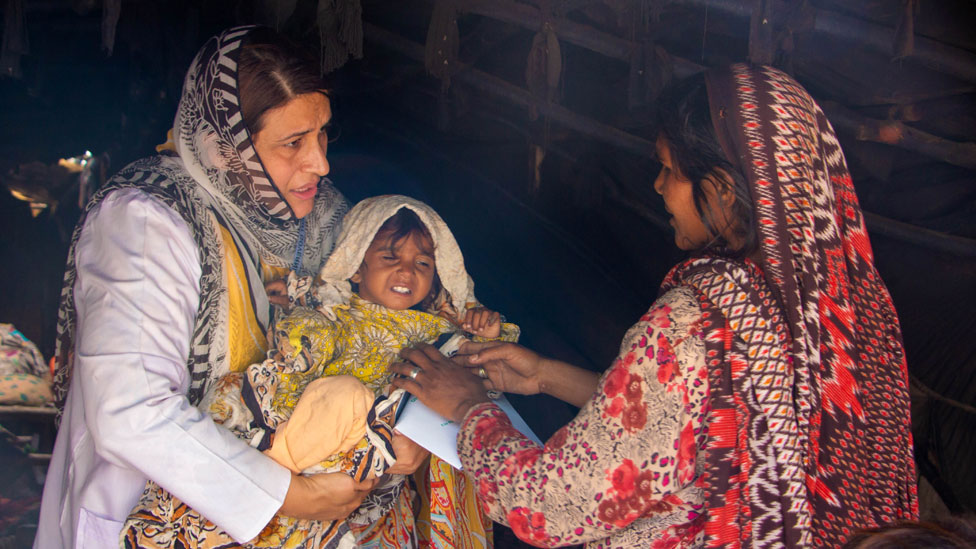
{"x":360,"y":226}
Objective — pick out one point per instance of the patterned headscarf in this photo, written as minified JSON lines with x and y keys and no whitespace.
{"x":809,"y":432}
{"x":217,"y":180}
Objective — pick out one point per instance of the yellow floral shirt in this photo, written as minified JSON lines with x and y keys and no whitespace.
{"x":363,"y":341}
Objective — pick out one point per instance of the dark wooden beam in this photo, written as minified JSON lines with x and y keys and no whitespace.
{"x":493,"y":85}
{"x":530,"y":18}
{"x":895,"y":133}
{"x":934,"y":240}
{"x":518,"y":96}
{"x":932,"y":53}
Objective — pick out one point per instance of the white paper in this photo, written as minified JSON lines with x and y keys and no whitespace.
{"x":439,"y":436}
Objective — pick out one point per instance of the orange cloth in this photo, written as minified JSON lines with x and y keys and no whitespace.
{"x":305,"y":439}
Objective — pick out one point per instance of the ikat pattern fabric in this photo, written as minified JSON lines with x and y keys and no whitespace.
{"x":800,"y":453}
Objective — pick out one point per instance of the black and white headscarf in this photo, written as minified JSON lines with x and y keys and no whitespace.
{"x":216,"y":180}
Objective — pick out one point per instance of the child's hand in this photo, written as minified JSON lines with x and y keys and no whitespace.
{"x":482,"y":322}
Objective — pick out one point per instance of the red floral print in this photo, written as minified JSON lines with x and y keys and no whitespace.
{"x":644,"y":486}
{"x":615,"y":407}
{"x":527,"y":525}
{"x":487,"y":491}
{"x":558,"y":440}
{"x":616,"y":379}
{"x":623,"y":478}
{"x":634,"y":417}
{"x":658,"y":316}
{"x":630,"y":454}
{"x":687,"y":449}
{"x":633,"y":390}
{"x":665,"y":360}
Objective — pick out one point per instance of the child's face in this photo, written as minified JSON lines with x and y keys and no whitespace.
{"x":397,"y":275}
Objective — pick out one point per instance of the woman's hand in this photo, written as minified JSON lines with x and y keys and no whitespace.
{"x":515,"y":369}
{"x":409,"y":455}
{"x":326,"y":496}
{"x":442,"y":385}
{"x":510,"y":368}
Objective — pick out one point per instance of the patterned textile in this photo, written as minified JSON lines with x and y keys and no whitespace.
{"x":809,"y":430}
{"x":626,"y":471}
{"x":315,"y":341}
{"x":19,"y":355}
{"x":24,"y":390}
{"x":362,"y":341}
{"x":795,"y":408}
{"x":396,"y":529}
{"x":161,"y":520}
{"x":307,"y":346}
{"x":217,"y":180}
{"x":452,"y":516}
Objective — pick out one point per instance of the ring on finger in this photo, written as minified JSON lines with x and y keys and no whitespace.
{"x":413,"y":373}
{"x":482,"y":373}
{"x":493,"y":393}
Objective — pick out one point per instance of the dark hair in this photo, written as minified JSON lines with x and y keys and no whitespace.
{"x":400,"y":226}
{"x":684,"y":119}
{"x":271,"y":71}
{"x":942,"y":533}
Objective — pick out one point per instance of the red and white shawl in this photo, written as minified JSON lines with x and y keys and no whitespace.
{"x":809,"y":427}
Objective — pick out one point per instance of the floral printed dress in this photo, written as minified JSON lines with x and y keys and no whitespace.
{"x":627,"y":471}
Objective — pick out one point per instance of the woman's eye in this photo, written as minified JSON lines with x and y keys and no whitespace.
{"x":293,"y":144}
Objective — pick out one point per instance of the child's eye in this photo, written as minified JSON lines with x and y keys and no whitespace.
{"x":389,"y":257}
{"x":423,"y":263}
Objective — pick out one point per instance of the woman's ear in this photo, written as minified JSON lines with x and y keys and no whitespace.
{"x":724,"y":187}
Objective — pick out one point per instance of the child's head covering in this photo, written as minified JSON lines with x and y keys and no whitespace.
{"x":360,"y":226}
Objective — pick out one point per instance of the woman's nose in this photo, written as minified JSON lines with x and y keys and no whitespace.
{"x":659,"y":182}
{"x":316,"y":161}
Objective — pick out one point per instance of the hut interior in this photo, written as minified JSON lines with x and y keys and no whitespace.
{"x":526,"y":124}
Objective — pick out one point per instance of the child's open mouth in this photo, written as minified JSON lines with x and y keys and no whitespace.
{"x":401,"y":290}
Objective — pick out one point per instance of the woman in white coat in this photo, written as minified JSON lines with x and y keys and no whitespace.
{"x":165,"y":292}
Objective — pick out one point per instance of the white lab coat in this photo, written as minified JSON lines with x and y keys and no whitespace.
{"x":127,"y":418}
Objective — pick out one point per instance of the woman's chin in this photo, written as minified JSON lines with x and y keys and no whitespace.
{"x":303,"y":208}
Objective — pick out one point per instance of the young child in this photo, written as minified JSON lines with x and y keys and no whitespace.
{"x":322,"y":400}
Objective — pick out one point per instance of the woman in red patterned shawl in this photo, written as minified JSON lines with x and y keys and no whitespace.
{"x":762,"y":401}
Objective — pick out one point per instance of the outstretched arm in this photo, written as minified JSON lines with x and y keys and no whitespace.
{"x":625,"y":466}
{"x":515,"y":369}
